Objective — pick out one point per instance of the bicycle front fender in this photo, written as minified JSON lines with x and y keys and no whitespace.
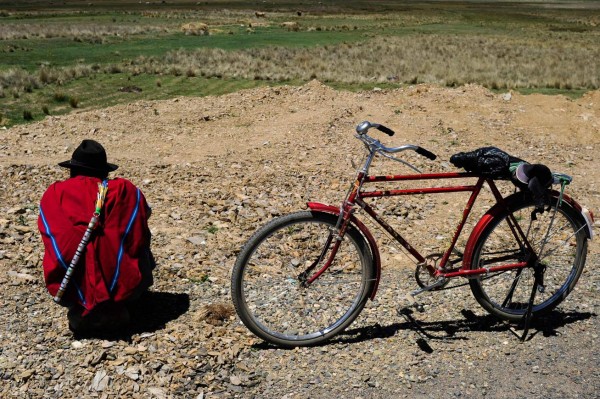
{"x":498,"y":208}
{"x":324,"y":208}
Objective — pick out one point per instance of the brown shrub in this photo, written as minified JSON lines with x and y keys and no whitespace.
{"x":195,"y":29}
{"x":215,"y":313}
{"x":291,"y":26}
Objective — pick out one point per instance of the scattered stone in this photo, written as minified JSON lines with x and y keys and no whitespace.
{"x":77,"y":344}
{"x":197,"y":240}
{"x":100,"y":381}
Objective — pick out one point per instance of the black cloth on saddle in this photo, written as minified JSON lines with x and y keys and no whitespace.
{"x":494,"y":163}
{"x":486,"y":161}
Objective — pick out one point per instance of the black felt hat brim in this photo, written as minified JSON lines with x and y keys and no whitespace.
{"x":74,"y":164}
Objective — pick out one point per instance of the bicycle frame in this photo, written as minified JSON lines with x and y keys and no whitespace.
{"x":356,"y":197}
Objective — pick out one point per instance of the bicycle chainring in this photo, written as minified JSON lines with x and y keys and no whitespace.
{"x":423,"y":275}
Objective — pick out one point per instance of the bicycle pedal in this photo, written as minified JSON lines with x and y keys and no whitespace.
{"x":414,"y":304}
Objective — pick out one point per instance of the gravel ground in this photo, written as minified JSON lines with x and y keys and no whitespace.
{"x":214,"y":169}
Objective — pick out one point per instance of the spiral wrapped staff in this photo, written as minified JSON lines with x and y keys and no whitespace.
{"x":102,"y":189}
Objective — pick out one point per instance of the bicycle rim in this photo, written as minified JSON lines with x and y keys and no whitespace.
{"x":561,"y":238}
{"x":272,"y":302}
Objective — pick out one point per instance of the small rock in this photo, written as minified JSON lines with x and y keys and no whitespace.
{"x":77,"y":344}
{"x":22,"y":229}
{"x":175,"y":216}
{"x":197,"y":240}
{"x":21,"y":276}
{"x":107,"y":344}
{"x":98,"y":358}
{"x":158,"y":393}
{"x":130,"y":350}
{"x":25,"y":375}
{"x":100,"y":381}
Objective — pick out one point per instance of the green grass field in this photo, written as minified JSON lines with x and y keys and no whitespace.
{"x":55,"y":56}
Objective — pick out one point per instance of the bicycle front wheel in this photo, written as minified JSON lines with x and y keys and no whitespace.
{"x":266,"y":288}
{"x":560,"y":242}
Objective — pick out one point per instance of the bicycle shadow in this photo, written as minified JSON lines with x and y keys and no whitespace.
{"x":448,"y":330}
{"x":148,"y":314}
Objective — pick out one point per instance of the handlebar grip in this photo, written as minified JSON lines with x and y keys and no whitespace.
{"x":385,"y":130}
{"x":425,"y":153}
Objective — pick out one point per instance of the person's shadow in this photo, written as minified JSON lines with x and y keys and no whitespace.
{"x":150,"y":313}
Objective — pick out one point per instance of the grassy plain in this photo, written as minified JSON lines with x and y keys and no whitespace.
{"x":55,"y":56}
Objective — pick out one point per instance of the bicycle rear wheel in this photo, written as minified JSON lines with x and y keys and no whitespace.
{"x":266,"y":289}
{"x":563,"y":242}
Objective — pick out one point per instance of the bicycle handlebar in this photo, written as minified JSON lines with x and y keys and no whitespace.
{"x":426,"y":153}
{"x":364,"y":127}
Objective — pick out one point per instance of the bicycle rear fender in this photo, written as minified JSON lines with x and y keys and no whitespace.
{"x":498,"y":208}
{"x":319,"y":207}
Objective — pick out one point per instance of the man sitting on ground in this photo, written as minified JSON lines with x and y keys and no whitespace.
{"x":115,"y":266}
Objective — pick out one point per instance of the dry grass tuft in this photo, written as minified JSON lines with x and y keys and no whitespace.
{"x":195,"y":29}
{"x":450,"y":60}
{"x":215,"y":313}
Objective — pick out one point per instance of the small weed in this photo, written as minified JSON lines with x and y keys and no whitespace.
{"x":60,"y":97}
{"x":212,"y":229}
{"x":27,"y":115}
{"x":202,"y":279}
{"x":114,"y":69}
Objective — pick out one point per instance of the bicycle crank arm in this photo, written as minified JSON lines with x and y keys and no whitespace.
{"x":440,"y":282}
{"x":410,"y":297}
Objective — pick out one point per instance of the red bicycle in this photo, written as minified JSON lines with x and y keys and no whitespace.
{"x":304,"y":277}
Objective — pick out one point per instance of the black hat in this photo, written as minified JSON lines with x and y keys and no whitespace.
{"x":525,"y":172}
{"x":89,"y":155}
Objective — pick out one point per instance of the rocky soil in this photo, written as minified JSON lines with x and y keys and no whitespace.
{"x":216,"y":168}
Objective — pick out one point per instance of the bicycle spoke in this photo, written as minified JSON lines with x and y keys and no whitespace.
{"x":511,"y":291}
{"x":561,"y":244}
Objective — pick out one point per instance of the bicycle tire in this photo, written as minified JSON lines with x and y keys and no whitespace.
{"x":506,"y":294}
{"x":266,"y":292}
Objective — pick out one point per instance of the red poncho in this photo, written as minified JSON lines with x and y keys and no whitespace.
{"x":109,"y":267}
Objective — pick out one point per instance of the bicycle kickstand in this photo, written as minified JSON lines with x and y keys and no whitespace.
{"x":538,"y":285}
